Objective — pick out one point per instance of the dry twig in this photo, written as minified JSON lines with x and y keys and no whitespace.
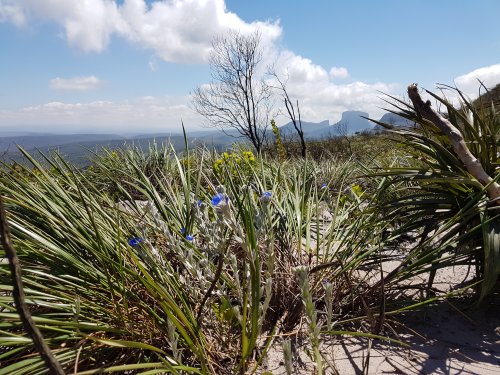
{"x":471,"y":163}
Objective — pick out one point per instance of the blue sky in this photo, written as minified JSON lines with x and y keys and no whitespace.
{"x":130,"y":65}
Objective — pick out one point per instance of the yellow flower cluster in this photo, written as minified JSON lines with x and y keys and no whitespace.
{"x":248,"y":156}
{"x":231,"y":159}
{"x":278,"y":142}
{"x":358,"y":190}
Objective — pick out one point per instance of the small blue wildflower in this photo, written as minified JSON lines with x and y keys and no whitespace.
{"x":217,"y":199}
{"x":134,"y":241}
{"x":199,"y":202}
{"x":324,"y":185}
{"x":183,"y":230}
{"x":189,"y":237}
{"x":266,"y":197}
{"x":220,"y":202}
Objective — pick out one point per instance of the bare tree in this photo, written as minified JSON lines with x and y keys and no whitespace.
{"x":236,"y":98}
{"x":290,"y":109}
{"x":342,"y":132}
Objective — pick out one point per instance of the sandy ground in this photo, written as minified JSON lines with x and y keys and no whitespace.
{"x":445,"y":338}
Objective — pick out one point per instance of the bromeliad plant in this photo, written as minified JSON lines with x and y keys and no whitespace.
{"x":450,"y":192}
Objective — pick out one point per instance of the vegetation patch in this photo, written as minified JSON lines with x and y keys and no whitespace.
{"x":195,"y":262}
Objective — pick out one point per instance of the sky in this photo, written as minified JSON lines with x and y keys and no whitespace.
{"x":130,"y":66}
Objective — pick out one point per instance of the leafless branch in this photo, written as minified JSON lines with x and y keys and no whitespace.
{"x":290,"y":109}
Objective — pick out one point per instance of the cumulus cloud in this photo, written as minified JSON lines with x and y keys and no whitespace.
{"x":75,"y":84}
{"x":338,"y":73}
{"x":181,"y":31}
{"x":88,"y":25}
{"x":176,"y":30}
{"x":469,"y":83}
{"x":139,"y":114}
{"x":320,"y":97}
{"x":11,"y":11}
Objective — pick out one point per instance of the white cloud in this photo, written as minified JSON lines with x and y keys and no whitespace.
{"x":75,"y":84}
{"x":12,"y":12}
{"x":88,"y":25}
{"x":320,"y":98}
{"x":469,"y":83}
{"x":140,"y":114}
{"x":181,"y":31}
{"x":340,"y":73}
{"x":176,"y":30}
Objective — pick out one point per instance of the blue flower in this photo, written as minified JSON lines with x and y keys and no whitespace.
{"x":266,"y":197}
{"x":199,"y":202}
{"x":183,"y":230}
{"x":220,"y":202}
{"x":134,"y":241}
{"x":189,"y":237}
{"x":324,"y":185}
{"x":217,"y":199}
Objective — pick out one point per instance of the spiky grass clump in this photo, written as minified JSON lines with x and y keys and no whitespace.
{"x":448,"y":208}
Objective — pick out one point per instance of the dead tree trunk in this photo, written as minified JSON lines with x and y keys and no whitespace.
{"x":471,"y":163}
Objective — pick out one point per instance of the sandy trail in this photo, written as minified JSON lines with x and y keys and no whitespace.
{"x":444,"y":338}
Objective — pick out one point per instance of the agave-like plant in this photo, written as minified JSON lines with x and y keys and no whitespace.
{"x":441,"y":199}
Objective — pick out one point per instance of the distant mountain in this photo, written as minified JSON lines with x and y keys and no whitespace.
{"x":43,"y":140}
{"x":309,"y":128}
{"x":78,"y":149}
{"x":354,"y":122}
{"x":13,"y":133}
{"x":350,"y":123}
{"x":395,"y":120}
